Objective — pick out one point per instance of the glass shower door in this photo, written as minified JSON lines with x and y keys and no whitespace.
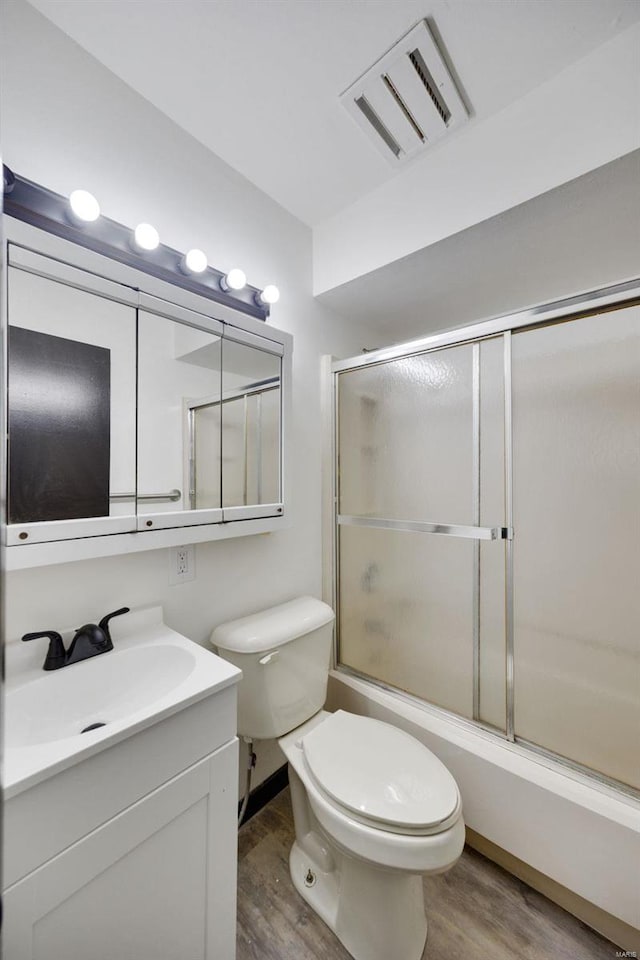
{"x":412,"y":598}
{"x":488,"y":532}
{"x":576,"y":398}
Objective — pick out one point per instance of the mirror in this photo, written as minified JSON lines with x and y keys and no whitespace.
{"x":71,"y":402}
{"x":179,"y":368}
{"x":208,"y":421}
{"x":129,"y":412}
{"x":250,"y":425}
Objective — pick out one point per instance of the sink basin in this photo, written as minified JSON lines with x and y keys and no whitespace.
{"x":151,"y":673}
{"x":105,"y":689}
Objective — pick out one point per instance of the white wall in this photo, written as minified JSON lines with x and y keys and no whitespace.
{"x":582,"y":235}
{"x":68,"y":122}
{"x":584,"y":117}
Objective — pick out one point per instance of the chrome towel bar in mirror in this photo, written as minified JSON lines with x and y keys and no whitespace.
{"x":172,"y":496}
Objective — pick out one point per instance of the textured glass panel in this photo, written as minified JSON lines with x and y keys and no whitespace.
{"x":406,"y":612}
{"x":577,"y":540}
{"x":406,"y":438}
{"x":206,"y":456}
{"x":492,"y":700}
{"x":233,"y":453}
{"x":263,"y":449}
{"x":250,"y":426}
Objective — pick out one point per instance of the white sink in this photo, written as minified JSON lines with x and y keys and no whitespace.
{"x":151,"y":673}
{"x":102,"y":690}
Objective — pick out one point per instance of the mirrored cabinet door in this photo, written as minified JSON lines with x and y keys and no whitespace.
{"x":71,"y":403}
{"x":134,"y":412}
{"x":251,"y":426}
{"x":179,"y":433}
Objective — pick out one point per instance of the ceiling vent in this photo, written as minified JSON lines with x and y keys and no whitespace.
{"x":407,"y":100}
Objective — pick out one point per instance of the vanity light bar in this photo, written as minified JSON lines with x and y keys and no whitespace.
{"x":46,"y":210}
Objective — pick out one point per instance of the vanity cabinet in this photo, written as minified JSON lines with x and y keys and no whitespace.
{"x":135,"y":409}
{"x":156,"y":882}
{"x":122,"y":844}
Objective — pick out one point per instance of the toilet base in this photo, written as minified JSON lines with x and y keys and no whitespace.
{"x":376,"y":914}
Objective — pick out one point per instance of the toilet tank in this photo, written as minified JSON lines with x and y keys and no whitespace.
{"x":284,"y":654}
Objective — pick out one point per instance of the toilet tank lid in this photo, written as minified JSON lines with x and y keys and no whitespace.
{"x":273,"y":627}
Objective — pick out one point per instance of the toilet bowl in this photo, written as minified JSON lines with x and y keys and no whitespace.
{"x":374,"y":810}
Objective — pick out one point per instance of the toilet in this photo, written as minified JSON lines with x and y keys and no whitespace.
{"x":374,"y":810}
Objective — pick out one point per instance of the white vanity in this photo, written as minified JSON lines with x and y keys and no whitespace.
{"x":120,"y":843}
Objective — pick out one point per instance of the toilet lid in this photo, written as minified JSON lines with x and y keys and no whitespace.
{"x":380,"y":772}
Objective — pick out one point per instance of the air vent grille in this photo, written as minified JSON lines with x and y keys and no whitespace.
{"x":377,"y":124}
{"x":405,"y":109}
{"x":407,"y":100}
{"x":421,"y":69}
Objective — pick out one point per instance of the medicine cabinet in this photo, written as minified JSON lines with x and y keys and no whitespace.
{"x":135,"y":409}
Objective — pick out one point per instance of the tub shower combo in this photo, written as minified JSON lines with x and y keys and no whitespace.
{"x":487,"y":527}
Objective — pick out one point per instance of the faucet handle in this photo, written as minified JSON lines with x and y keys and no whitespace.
{"x":56,"y":654}
{"x":104,"y":623}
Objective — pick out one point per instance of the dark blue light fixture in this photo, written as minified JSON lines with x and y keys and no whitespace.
{"x":79,"y":220}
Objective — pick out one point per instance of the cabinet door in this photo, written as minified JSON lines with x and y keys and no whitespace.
{"x":71,"y":402}
{"x":179,"y":366}
{"x":210,"y":419}
{"x":158,"y":882}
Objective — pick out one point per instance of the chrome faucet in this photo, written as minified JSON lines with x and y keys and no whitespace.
{"x":89,"y":641}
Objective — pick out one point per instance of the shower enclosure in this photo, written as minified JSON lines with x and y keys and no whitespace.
{"x":487,"y":527}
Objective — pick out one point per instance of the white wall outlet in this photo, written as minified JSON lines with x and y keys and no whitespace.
{"x":182,"y":564}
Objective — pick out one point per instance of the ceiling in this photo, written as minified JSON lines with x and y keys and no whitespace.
{"x":257,"y":81}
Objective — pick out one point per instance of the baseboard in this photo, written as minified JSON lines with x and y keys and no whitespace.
{"x":619,"y":932}
{"x":266,"y":791}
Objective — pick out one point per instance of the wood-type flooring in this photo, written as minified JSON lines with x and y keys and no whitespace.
{"x":477,"y":910}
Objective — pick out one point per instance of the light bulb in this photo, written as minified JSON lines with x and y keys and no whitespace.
{"x":234,"y":280}
{"x":84,"y":206}
{"x":195,"y":261}
{"x":269,"y":295}
{"x":146,"y":237}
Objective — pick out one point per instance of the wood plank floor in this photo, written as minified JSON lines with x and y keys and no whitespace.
{"x":476,"y":910}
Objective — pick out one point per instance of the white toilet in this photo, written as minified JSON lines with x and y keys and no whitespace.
{"x":373,"y":808}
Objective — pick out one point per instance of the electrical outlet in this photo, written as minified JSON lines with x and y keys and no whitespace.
{"x":182,"y":564}
{"x":182,"y":561}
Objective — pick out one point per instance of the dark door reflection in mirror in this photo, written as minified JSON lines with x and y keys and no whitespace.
{"x":251,"y":402}
{"x":72,"y":389}
{"x":178,"y":367}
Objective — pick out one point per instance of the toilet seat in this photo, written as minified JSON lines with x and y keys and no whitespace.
{"x":380,"y":776}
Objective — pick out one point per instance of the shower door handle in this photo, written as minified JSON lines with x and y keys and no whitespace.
{"x":427,"y":526}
